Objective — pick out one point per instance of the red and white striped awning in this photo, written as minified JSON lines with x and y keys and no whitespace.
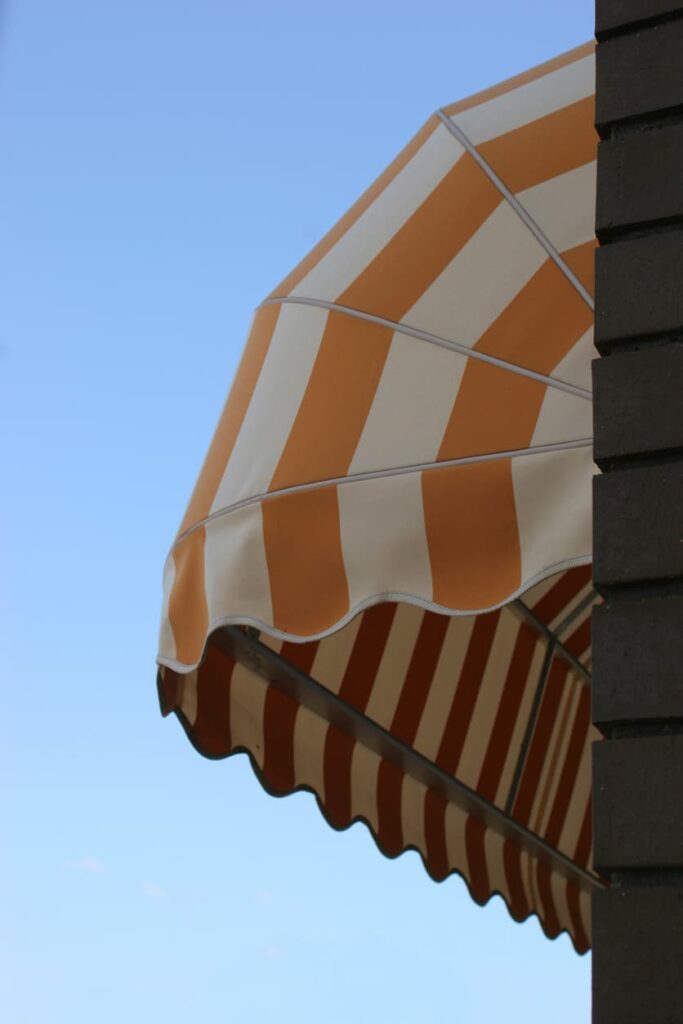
{"x":381,"y":588}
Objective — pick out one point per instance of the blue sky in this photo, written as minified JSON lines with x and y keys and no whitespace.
{"x":164,"y":164}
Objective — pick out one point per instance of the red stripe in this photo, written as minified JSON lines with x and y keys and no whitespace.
{"x":562,"y":593}
{"x":355,"y":689}
{"x":538,"y":748}
{"x":508,"y":710}
{"x":435,"y":835}
{"x":406,"y":720}
{"x":480,"y":885}
{"x":492,"y":768}
{"x":578,"y":931}
{"x":279,"y":721}
{"x":389,"y":819}
{"x":551,"y":923}
{"x":212,"y":730}
{"x":418,"y":680}
{"x":567,"y":781}
{"x":168,"y":690}
{"x":582,"y":853}
{"x":512,"y":864}
{"x":465,"y":698}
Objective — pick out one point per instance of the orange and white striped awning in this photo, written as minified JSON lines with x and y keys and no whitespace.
{"x":381,"y":588}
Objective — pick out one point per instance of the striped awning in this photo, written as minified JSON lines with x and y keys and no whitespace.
{"x":381,"y":589}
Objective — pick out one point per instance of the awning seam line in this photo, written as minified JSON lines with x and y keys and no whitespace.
{"x":308,"y":692}
{"x":553,"y":638}
{"x":382,"y":474}
{"x":530,"y":726}
{"x":519,"y":209}
{"x":434,"y":339}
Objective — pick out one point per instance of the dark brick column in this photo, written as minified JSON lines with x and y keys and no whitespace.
{"x":638,"y":514}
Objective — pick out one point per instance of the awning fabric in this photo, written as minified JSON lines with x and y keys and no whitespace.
{"x":381,"y":588}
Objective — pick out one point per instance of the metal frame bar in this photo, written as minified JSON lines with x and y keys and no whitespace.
{"x":306,"y":691}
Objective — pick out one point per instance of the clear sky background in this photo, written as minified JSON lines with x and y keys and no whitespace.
{"x":164,"y":163}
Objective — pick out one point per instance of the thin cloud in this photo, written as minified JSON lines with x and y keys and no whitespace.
{"x":88,"y":865}
{"x":264,"y":896}
{"x":273,"y":952}
{"x":154,"y":891}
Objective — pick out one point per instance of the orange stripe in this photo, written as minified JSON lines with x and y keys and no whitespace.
{"x":232,"y":416}
{"x":581,"y":259}
{"x":475,"y":538}
{"x":570,"y":57}
{"x":302,"y":532}
{"x":308,"y":586}
{"x":336,"y":402}
{"x":472,"y":534}
{"x":187,"y":608}
{"x":494,"y":411}
{"x":544,"y":148}
{"x":357,"y":210}
{"x":188,"y":612}
{"x":540,"y":326}
{"x":421,"y":249}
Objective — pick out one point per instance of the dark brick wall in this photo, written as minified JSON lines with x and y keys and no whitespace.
{"x":638,"y":514}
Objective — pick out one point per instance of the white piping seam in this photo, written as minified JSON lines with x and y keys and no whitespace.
{"x":433,"y":339}
{"x":381,"y":474}
{"x":521,"y":212}
{"x":377,"y":598}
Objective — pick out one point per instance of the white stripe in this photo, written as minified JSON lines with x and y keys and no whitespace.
{"x":274,"y":405}
{"x":235,"y":568}
{"x":413,"y":814}
{"x":379,"y":223}
{"x":333,"y":654}
{"x":380,"y":474}
{"x":575,"y":366}
{"x":488,"y":699}
{"x":310,"y":733}
{"x":564,"y":206}
{"x":433,"y":339}
{"x":520,"y":211}
{"x":167,"y":645}
{"x":486,"y":275}
{"x":247,"y":702}
{"x":521,"y":720}
{"x":550,"y":489}
{"x":364,"y":768}
{"x":411,"y":408}
{"x":444,"y":685}
{"x":562,"y":416}
{"x":528,"y":102}
{"x":388,"y":682}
